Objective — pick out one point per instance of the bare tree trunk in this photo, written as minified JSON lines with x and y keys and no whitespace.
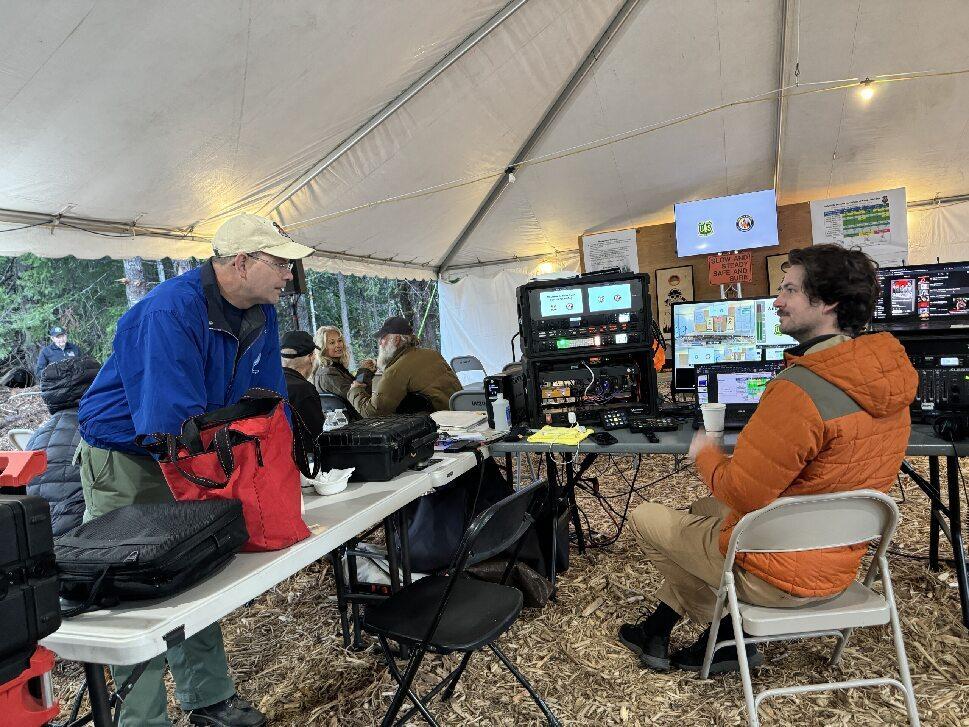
{"x":135,"y":286}
{"x":302,"y":313}
{"x":309,"y":295}
{"x":345,"y":316}
{"x":160,"y":267}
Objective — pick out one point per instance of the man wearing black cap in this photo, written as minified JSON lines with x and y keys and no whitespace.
{"x":299,"y":359}
{"x":414,"y":379}
{"x":57,"y":350}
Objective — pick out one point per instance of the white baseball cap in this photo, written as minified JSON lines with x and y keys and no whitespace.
{"x":252,"y":233}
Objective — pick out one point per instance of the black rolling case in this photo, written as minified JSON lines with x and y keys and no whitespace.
{"x":29,"y":607}
{"x":150,"y":550}
{"x":380,"y":448}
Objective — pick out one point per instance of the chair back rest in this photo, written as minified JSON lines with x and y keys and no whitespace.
{"x":468,"y":400}
{"x":499,"y":527}
{"x":466,"y":363}
{"x":332,"y":402}
{"x":808,"y":522}
{"x":19,"y":437}
{"x":414,"y":402}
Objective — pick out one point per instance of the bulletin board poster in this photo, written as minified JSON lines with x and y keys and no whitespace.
{"x":607,"y":250}
{"x":875,"y":222}
{"x":673,"y":285}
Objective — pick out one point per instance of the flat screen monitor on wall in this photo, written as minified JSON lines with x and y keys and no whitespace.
{"x":742,"y":329}
{"x":738,"y":222}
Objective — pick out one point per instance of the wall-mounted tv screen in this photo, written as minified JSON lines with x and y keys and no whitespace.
{"x":738,"y":330}
{"x":738,"y":222}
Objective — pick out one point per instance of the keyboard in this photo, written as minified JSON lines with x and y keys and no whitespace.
{"x":653,"y":424}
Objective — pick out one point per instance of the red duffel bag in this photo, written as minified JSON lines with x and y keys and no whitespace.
{"x":247,"y":452}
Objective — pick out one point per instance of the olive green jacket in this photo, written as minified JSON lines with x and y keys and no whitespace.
{"x":413,"y":370}
{"x":332,"y":379}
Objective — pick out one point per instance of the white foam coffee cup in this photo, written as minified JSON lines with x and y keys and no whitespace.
{"x":713,"y":416}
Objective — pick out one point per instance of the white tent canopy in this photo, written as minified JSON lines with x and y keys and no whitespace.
{"x":159,"y":119}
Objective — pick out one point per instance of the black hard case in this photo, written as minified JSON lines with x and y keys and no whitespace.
{"x":380,"y":448}
{"x":29,"y":607}
{"x":148,"y":550}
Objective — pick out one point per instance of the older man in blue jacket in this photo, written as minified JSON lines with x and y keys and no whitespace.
{"x":194,"y":344}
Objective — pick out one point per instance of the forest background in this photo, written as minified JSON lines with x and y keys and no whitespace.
{"x":87,"y":297}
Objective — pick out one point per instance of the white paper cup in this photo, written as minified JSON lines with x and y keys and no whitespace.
{"x":713,"y":416}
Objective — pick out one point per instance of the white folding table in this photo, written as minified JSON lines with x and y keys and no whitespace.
{"x":135,"y":633}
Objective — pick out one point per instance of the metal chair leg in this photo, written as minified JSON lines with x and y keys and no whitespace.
{"x":839,"y":649}
{"x":910,"y":706}
{"x":525,"y":683}
{"x":403,"y":689}
{"x":741,"y":647}
{"x":455,"y":676}
{"x":714,"y":632}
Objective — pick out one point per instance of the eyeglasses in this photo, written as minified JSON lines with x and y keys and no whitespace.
{"x":281,"y":268}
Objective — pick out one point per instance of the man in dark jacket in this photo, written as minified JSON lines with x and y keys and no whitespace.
{"x":61,"y":386}
{"x":299,"y":360}
{"x":58,"y":349}
{"x":194,"y":344}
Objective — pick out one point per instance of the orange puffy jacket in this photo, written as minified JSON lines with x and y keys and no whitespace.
{"x":835,"y":419}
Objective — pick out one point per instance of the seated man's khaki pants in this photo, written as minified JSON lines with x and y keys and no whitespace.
{"x":683,"y":545}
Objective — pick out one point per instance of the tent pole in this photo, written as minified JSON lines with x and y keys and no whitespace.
{"x":781,"y":99}
{"x":427,"y":310}
{"x":351,"y":141}
{"x":621,"y":16}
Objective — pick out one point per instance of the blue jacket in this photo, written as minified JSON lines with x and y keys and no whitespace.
{"x":175,"y":357}
{"x":50,"y":354}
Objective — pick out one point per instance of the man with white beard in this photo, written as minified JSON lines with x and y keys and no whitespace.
{"x":414,"y":379}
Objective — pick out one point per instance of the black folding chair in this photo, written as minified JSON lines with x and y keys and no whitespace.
{"x":456,"y":613}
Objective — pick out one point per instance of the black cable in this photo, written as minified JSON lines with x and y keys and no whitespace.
{"x":92,"y":232}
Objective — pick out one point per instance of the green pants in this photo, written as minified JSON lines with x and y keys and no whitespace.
{"x":112,"y":479}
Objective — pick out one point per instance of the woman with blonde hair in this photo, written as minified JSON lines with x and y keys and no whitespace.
{"x":332,"y":376}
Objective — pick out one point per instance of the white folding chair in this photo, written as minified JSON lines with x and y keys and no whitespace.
{"x":19,"y":437}
{"x":806,"y":523}
{"x":461,"y":364}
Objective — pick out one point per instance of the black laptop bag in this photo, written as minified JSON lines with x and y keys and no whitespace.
{"x":29,"y":608}
{"x":146,"y":551}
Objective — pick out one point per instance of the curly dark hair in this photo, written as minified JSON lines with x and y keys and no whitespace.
{"x":833,"y":274}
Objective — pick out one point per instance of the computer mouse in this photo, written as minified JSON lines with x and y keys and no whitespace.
{"x":603,"y":439}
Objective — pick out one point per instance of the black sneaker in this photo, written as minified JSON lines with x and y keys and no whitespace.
{"x":232,"y":712}
{"x":653,"y":650}
{"x":724,"y":660}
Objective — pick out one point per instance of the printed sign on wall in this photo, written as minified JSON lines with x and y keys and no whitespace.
{"x":729,"y":268}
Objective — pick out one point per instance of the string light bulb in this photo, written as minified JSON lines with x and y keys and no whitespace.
{"x":545,"y":267}
{"x":867,"y":90}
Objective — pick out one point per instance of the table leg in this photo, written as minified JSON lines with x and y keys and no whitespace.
{"x":955,"y":535}
{"x":552,"y":500}
{"x":390,"y":535}
{"x":511,"y":473}
{"x":354,"y":606}
{"x":336,"y":559}
{"x":573,"y":505}
{"x":97,"y":689}
{"x":404,"y":547}
{"x":934,"y":514}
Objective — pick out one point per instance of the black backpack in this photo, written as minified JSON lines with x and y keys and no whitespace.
{"x":143,"y":551}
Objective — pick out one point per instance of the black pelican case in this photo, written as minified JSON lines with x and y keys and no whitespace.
{"x":379,"y":448}
{"x":29,"y":606}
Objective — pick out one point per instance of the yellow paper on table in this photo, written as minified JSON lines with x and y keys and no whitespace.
{"x":559,"y":435}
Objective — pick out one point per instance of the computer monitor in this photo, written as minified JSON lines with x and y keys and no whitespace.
{"x":923,"y":296}
{"x":717,"y":331}
{"x":738,"y":385}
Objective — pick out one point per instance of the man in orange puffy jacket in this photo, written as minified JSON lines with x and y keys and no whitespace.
{"x":835,"y":419}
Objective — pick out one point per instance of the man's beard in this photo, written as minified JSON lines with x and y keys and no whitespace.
{"x":385,"y":354}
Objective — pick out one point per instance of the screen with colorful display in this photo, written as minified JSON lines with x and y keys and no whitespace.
{"x":746,"y":329}
{"x":923,"y":294}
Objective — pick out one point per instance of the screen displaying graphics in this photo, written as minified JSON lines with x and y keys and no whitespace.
{"x":738,"y":222}
{"x":610,"y":297}
{"x":924,"y":294}
{"x":745,"y":388}
{"x":561,"y":302}
{"x":724,"y":331}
